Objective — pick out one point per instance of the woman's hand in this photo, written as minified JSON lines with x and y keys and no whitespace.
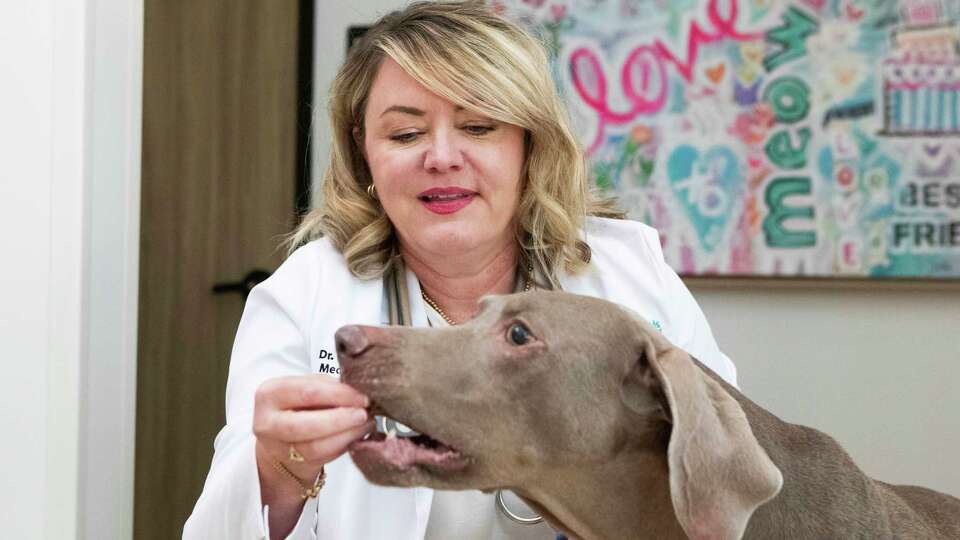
{"x":316,"y":414}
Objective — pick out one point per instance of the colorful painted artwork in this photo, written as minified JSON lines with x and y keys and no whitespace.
{"x":770,"y":137}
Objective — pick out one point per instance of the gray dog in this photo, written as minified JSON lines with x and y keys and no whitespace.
{"x":610,"y":432}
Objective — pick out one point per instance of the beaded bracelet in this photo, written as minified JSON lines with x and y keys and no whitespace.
{"x":308,"y":491}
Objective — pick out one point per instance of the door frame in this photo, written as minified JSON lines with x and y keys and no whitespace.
{"x":103,"y":51}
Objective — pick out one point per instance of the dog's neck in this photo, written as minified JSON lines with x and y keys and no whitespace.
{"x":579,"y":501}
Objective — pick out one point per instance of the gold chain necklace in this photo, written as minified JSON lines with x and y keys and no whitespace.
{"x":444,"y":316}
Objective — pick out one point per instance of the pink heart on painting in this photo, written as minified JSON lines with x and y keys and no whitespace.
{"x":853,"y":13}
{"x":558,"y":11}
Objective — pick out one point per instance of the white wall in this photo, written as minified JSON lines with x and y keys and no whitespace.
{"x":877,"y":368}
{"x":69,"y":232}
{"x":27,"y":309}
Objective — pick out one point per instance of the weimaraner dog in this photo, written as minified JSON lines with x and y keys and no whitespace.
{"x":610,"y":432}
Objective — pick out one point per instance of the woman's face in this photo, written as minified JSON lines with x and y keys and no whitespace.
{"x":448,"y":179}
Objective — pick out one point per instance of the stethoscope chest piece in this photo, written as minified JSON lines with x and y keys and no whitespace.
{"x":513,"y":516}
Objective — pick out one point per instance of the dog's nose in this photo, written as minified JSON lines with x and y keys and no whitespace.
{"x":351,"y":340}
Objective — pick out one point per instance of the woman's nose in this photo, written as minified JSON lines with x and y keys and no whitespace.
{"x":444,"y":153}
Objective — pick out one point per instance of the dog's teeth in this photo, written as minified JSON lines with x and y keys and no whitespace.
{"x":392,"y":434}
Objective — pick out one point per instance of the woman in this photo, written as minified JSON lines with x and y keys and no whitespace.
{"x":453,"y":175}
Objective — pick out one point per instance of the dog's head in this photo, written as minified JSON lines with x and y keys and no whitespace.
{"x":546,"y":381}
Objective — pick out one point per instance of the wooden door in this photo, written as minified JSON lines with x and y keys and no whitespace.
{"x":218,"y":191}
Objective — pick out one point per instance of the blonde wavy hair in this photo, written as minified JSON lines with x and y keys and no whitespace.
{"x":467,"y":54}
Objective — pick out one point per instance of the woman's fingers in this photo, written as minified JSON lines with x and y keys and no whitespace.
{"x":315,"y":452}
{"x":308,"y":425}
{"x":308,"y":392}
{"x":329,"y":448}
{"x":316,"y":414}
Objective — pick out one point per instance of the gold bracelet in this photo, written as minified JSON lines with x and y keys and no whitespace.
{"x":308,"y":491}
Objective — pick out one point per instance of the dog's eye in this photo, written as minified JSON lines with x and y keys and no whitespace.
{"x":518,"y":334}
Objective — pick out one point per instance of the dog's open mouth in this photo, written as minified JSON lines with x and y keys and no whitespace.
{"x":396,"y":446}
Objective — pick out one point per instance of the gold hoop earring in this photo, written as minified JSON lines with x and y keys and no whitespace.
{"x":372,"y":191}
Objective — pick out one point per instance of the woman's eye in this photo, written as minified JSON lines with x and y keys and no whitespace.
{"x":518,"y":334}
{"x":404,"y":137}
{"x":478,"y":130}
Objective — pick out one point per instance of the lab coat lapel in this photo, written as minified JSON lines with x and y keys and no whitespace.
{"x":372,"y":511}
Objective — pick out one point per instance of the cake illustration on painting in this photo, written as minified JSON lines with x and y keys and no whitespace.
{"x":921,"y":75}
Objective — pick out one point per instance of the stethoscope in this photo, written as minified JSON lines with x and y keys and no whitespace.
{"x":398,"y":304}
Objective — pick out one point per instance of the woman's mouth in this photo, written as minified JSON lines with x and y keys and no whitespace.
{"x":446,"y":200}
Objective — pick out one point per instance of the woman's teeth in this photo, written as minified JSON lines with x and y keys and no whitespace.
{"x":433,"y":198}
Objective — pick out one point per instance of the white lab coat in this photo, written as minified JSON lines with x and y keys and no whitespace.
{"x":288,"y":326}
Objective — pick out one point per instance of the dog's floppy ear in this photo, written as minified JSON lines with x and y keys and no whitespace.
{"x":719,"y":473}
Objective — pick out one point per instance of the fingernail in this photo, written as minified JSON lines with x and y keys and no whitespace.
{"x":359,"y":416}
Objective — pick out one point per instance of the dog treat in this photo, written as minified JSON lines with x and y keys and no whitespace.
{"x":392,"y":428}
